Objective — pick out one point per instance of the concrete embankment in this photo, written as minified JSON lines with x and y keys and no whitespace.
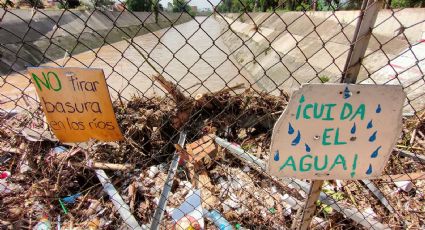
{"x":198,"y":61}
{"x":31,"y":38}
{"x":304,"y":46}
{"x":283,"y":50}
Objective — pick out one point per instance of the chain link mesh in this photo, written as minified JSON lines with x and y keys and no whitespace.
{"x":231,"y":72}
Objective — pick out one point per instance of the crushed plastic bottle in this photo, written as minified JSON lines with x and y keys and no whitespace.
{"x":219,"y":220}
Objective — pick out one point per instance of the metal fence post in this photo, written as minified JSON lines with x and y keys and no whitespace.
{"x":159,"y":212}
{"x":367,"y":18}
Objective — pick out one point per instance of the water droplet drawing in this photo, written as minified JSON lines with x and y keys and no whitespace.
{"x":297,"y":139}
{"x":369,"y":170}
{"x":276,"y":155}
{"x":373,"y":137}
{"x":378,"y":109}
{"x":375,"y":153}
{"x":353,"y":129}
{"x":369,"y":125}
{"x":307,"y":148}
{"x":290,"y":129}
{"x":347,"y":93}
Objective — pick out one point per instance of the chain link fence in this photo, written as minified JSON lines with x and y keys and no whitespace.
{"x":196,"y":93}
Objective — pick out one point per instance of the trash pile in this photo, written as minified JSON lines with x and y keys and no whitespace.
{"x":45,"y":184}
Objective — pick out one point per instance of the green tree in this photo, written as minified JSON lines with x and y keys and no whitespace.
{"x":33,"y":3}
{"x":181,"y":6}
{"x":327,"y":5}
{"x":100,"y":3}
{"x":228,"y":5}
{"x":156,"y":8}
{"x":139,"y":5}
{"x":68,"y":4}
{"x":407,"y":3}
{"x":225,"y":6}
{"x":242,"y":5}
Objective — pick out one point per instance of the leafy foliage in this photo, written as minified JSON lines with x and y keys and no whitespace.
{"x":99,"y":3}
{"x":407,"y":3}
{"x":139,"y":5}
{"x":68,"y":4}
{"x":182,"y":6}
{"x":304,"y":5}
{"x":324,"y":79}
{"x":33,"y":3}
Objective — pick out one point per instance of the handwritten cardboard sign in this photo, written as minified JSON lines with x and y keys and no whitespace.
{"x":336,"y":131}
{"x":76,"y":102}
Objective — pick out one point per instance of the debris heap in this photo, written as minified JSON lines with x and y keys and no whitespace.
{"x":46,"y":182}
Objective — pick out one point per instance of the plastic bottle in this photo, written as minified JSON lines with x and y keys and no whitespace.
{"x":219,"y":220}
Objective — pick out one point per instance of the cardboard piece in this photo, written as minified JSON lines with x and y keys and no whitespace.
{"x":77,"y":103}
{"x":204,"y":184}
{"x":337,"y":131}
{"x":201,"y":148}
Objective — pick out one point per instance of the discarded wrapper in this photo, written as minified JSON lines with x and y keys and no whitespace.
{"x":43,"y":224}
{"x":4,"y":175}
{"x":153,"y":171}
{"x":190,"y":214}
{"x":71,"y":199}
{"x":404,"y":185}
{"x":7,"y":187}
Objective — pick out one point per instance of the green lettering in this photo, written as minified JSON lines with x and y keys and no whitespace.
{"x":302,"y":169}
{"x":305,"y":115}
{"x":318,"y":114}
{"x":298,"y":111}
{"x":354,"y":166}
{"x":299,"y":106}
{"x":59,"y":86}
{"x":337,"y":142}
{"x":37,"y":81}
{"x":46,"y":81}
{"x":316,"y":160}
{"x":289,"y":162}
{"x":329,"y":112}
{"x":360,"y":111}
{"x":343,"y":115}
{"x":325,"y":136}
{"x":339,"y":160}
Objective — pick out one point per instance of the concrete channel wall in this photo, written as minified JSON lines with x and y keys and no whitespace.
{"x":48,"y":34}
{"x":283,"y":50}
{"x":305,"y":50}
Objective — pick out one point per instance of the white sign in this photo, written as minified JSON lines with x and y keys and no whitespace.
{"x":337,"y":131}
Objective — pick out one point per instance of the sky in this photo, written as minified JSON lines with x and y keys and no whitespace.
{"x":199,"y":3}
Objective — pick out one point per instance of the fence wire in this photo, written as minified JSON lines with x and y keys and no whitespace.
{"x":196,"y":93}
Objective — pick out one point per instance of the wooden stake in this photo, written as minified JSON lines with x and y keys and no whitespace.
{"x":362,"y":34}
{"x":310,"y":204}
